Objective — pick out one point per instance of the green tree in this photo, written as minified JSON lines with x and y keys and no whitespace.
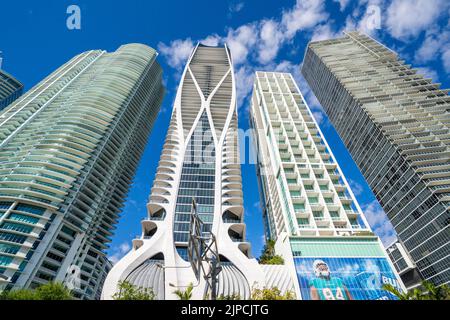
{"x":427,"y":291}
{"x":19,"y":294}
{"x":128,"y":291}
{"x":234,"y":296}
{"x":268,"y":255}
{"x":271,"y":294}
{"x":48,"y":291}
{"x":53,"y":291}
{"x":185,"y":294}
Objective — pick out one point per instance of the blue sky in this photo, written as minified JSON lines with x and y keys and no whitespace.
{"x":262,"y":35}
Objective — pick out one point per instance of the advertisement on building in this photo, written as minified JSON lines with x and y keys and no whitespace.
{"x":345,"y":278}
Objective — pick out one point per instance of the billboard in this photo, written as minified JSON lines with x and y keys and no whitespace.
{"x":345,"y":278}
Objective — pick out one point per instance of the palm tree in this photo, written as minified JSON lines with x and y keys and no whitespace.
{"x":271,"y":294}
{"x":268,"y":255}
{"x":428,"y":292}
{"x":128,"y":291}
{"x":186,"y":294}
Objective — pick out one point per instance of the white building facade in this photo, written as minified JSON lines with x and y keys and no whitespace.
{"x":308,"y":206}
{"x":199,"y":160}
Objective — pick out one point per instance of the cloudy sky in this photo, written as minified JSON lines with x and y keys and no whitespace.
{"x":262,"y":35}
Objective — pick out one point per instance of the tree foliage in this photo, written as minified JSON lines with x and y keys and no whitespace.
{"x":427,"y":291}
{"x":185,"y":294}
{"x":128,"y":291}
{"x":234,"y":296}
{"x":271,"y":294}
{"x":48,"y":291}
{"x":268,"y":255}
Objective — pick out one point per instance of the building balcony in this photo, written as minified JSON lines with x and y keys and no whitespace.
{"x":302,"y":214}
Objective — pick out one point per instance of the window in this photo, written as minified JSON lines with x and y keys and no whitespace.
{"x":5,"y":205}
{"x":4,"y":261}
{"x":313,"y":199}
{"x":328,"y":199}
{"x":12,"y":237}
{"x":16,"y":227}
{"x":7,"y":248}
{"x":30,"y":209}
{"x":23,"y":218}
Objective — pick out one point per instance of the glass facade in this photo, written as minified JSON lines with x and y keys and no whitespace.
{"x":10,"y":89}
{"x":197,"y":181}
{"x":68,"y":152}
{"x":395,"y":124}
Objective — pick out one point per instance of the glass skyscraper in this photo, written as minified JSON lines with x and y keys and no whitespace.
{"x":308,"y":207}
{"x":10,"y":89}
{"x":69,"y":148}
{"x":199,"y":160}
{"x":396,"y":125}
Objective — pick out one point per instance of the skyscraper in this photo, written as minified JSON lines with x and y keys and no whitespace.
{"x":199,"y":160}
{"x":10,"y":89}
{"x":69,"y":148}
{"x":396,"y":125}
{"x":308,"y":206}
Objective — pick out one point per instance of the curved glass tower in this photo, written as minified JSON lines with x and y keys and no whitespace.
{"x":10,"y":89}
{"x":68,"y":152}
{"x":199,"y":160}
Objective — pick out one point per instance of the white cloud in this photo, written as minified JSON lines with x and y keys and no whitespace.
{"x":428,"y":50}
{"x":287,"y":67}
{"x":244,"y":77}
{"x":324,"y":32}
{"x":236,"y":7}
{"x":177,"y":53}
{"x":436,"y":43}
{"x":271,"y":40}
{"x":408,"y":18}
{"x":379,"y":222}
{"x":374,"y":213}
{"x":305,"y":14}
{"x":318,"y":115}
{"x":241,"y":41}
{"x":428,"y":73}
{"x":356,"y":187}
{"x":211,"y":40}
{"x":446,"y":59}
{"x":119,"y":252}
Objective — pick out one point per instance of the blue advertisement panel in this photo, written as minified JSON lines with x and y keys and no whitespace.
{"x":345,"y":278}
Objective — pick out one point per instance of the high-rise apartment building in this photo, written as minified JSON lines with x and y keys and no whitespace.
{"x":200,"y":161}
{"x":69,"y":148}
{"x":396,"y":125}
{"x":10,"y":89}
{"x":308,"y":206}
